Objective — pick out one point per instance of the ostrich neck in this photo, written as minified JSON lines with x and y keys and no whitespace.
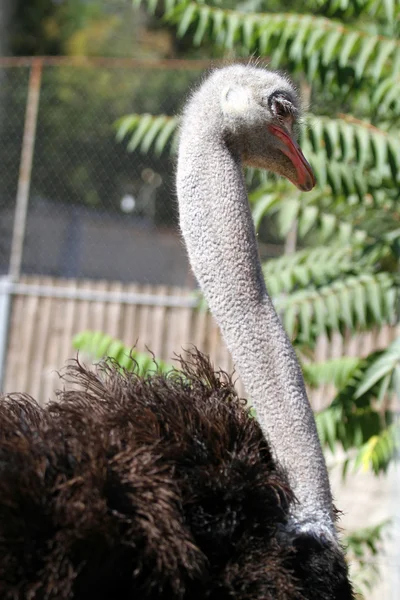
{"x":219,"y":233}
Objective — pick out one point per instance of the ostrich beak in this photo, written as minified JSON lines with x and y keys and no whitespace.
{"x":305,"y":177}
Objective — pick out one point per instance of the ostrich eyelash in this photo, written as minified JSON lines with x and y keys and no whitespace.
{"x":284,"y":109}
{"x":282,"y":106}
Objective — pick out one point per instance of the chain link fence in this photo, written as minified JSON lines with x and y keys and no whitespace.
{"x":93,"y":209}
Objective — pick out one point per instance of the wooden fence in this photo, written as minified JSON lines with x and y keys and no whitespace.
{"x":46,"y":314}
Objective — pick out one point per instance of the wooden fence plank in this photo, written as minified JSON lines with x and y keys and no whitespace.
{"x":144,"y":330}
{"x":84,"y":307}
{"x":97,"y":315}
{"x":55,"y":353}
{"x":15,"y":340}
{"x":130,"y":327}
{"x":176,"y":337}
{"x":158,"y":323}
{"x":199,"y":328}
{"x":114,"y":313}
{"x":69,"y":311}
{"x":27,"y":350}
{"x":42,"y":328}
{"x":38,"y":366}
{"x":184,"y":320}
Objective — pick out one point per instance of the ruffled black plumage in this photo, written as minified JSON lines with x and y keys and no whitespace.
{"x":149,"y":487}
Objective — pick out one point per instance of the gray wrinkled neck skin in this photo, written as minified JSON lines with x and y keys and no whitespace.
{"x":219,"y":233}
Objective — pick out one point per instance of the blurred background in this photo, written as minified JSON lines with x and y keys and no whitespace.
{"x":90,"y":254}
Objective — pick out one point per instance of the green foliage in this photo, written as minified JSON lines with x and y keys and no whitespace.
{"x":385,"y":10}
{"x":148,"y":132}
{"x":96,"y":345}
{"x":337,"y":371}
{"x":385,"y":369}
{"x":93,"y":27}
{"x":357,"y":418}
{"x":363,"y":546}
{"x":356,"y":145}
{"x":317,"y":266}
{"x":356,"y":302}
{"x":294,"y":37}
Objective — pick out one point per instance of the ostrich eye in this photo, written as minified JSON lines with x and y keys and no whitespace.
{"x":281,"y":106}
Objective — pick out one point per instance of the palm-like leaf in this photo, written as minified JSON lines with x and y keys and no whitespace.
{"x":355,"y":301}
{"x":388,"y":9}
{"x":386,"y":369}
{"x":355,"y":142}
{"x":353,"y":419}
{"x":148,"y":132}
{"x":337,"y":219}
{"x":337,"y":371}
{"x":283,"y":36}
{"x":386,"y":96}
{"x":363,"y":546}
{"x":379,"y":450}
{"x":309,"y":267}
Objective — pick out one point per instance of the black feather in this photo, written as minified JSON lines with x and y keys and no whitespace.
{"x":149,"y":487}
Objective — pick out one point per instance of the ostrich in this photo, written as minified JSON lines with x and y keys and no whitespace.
{"x":164,"y":487}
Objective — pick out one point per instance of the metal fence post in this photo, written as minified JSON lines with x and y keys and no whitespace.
{"x":21,"y":207}
{"x":5,"y":301}
{"x":24,"y":179}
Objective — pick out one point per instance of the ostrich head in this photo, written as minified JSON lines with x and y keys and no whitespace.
{"x":260,"y":116}
{"x":256,"y":113}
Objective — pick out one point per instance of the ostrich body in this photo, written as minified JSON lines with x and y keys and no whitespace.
{"x":163,"y":487}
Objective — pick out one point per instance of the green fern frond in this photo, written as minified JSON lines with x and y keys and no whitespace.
{"x":370,"y":537}
{"x":336,"y":371}
{"x":312,"y":214}
{"x":311,"y":266}
{"x":363,"y":545}
{"x":264,"y":202}
{"x":372,"y":218}
{"x":388,"y":10}
{"x":379,"y":450}
{"x":341,"y":177}
{"x":386,"y":368}
{"x":386,"y":96}
{"x":97,"y":345}
{"x":354,"y":301}
{"x":353,"y":142}
{"x":355,"y":420}
{"x":148,"y":132}
{"x":283,"y":35}
{"x":352,"y":427}
{"x":341,"y":220}
{"x":333,"y":225}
